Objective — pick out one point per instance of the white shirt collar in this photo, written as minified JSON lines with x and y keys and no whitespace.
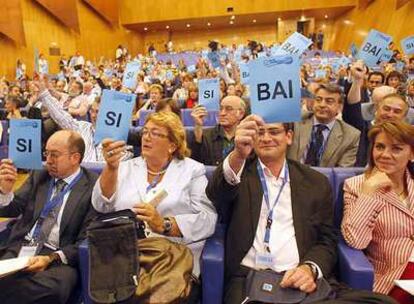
{"x":329,"y":125}
{"x":70,"y":178}
{"x":268,"y":173}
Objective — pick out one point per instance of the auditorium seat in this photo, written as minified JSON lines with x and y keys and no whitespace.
{"x":143,"y":116}
{"x":354,"y":268}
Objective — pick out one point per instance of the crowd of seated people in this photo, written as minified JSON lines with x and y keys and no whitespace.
{"x":278,"y":211}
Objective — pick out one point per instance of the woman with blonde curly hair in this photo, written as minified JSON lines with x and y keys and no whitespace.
{"x":185,"y":215}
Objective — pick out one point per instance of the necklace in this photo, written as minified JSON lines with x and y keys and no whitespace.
{"x":156,"y":173}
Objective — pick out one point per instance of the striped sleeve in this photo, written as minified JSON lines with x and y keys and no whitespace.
{"x":360,"y":214}
{"x":58,"y":114}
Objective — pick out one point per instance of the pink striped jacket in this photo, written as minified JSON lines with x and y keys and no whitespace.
{"x":383,"y":226}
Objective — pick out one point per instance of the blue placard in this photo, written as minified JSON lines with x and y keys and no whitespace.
{"x":344,"y":61}
{"x":169,"y":75}
{"x":320,"y":73}
{"x":399,"y":66}
{"x":114,"y":118}
{"x":214,"y":58}
{"x":373,"y":47}
{"x":387,"y":55}
{"x":191,"y":68}
{"x":244,"y":73}
{"x":275,"y":88}
{"x":273,"y":49}
{"x":108,"y":73}
{"x":407,"y":45}
{"x":76,"y":74}
{"x":25,"y":143}
{"x":204,"y":54}
{"x":295,"y":45}
{"x":131,"y":74}
{"x":209,"y":93}
{"x":354,"y":50}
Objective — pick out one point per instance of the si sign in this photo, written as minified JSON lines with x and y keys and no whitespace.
{"x":275,"y":88}
{"x":209,"y":93}
{"x":114,"y":116}
{"x":24,"y":143}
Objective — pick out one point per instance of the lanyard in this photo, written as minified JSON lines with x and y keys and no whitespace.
{"x":266,"y":197}
{"x":52,"y":203}
{"x":157,"y":178}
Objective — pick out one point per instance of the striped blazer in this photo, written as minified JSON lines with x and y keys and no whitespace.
{"x":383,"y":226}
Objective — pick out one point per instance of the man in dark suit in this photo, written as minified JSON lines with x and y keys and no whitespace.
{"x":279,"y":213}
{"x":211,"y":145}
{"x":54,"y":209}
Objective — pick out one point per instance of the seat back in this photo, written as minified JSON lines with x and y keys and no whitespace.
{"x":143,"y":116}
{"x":340,"y":175}
{"x":328,"y":172}
{"x":95,"y":167}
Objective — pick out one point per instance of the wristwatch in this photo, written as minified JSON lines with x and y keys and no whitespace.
{"x":314,"y":269}
{"x":167,"y":226}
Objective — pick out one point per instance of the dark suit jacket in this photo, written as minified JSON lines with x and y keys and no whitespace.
{"x":210,"y":151}
{"x":312,"y":210}
{"x":29,"y":201}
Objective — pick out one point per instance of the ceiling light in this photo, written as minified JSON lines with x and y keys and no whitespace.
{"x":326,"y":16}
{"x":167,"y":27}
{"x":233,"y":17}
{"x":145,"y":29}
{"x":302,"y":18}
{"x":231,"y":22}
{"x":188,"y":25}
{"x":279,"y":19}
{"x":254,"y":20}
{"x":208,"y":24}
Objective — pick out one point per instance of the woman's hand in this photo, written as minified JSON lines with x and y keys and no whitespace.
{"x":113,"y":152}
{"x":147,"y":213}
{"x":378,"y":180}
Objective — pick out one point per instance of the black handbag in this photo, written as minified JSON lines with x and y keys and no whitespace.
{"x":263,"y":286}
{"x":113,"y":256}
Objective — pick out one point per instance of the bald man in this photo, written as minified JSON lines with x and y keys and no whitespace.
{"x":211,"y":145}
{"x":54,"y":209}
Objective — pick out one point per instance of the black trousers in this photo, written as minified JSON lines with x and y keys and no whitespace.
{"x":235,"y":293}
{"x":54,"y":285}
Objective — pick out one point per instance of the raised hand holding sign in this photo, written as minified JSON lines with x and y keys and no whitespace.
{"x":114,"y":118}
{"x":25,"y":143}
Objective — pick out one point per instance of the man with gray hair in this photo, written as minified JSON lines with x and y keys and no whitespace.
{"x":211,"y":145}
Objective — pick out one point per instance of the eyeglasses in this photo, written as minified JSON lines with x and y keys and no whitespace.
{"x":375,"y":82}
{"x":55,"y":155}
{"x":152,"y":133}
{"x":273,"y":132}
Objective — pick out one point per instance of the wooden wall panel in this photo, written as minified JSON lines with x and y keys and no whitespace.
{"x":11,"y":21}
{"x":380,"y":15}
{"x":65,"y":11}
{"x":138,"y":11}
{"x":97,"y":38}
{"x":108,"y":9}
{"x":197,"y":40}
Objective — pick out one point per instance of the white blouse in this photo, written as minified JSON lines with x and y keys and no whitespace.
{"x":184,"y":181}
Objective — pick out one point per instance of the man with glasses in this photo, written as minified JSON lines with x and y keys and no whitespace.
{"x":54,"y":209}
{"x":211,"y":145}
{"x":322,"y":140}
{"x":280,"y":218}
